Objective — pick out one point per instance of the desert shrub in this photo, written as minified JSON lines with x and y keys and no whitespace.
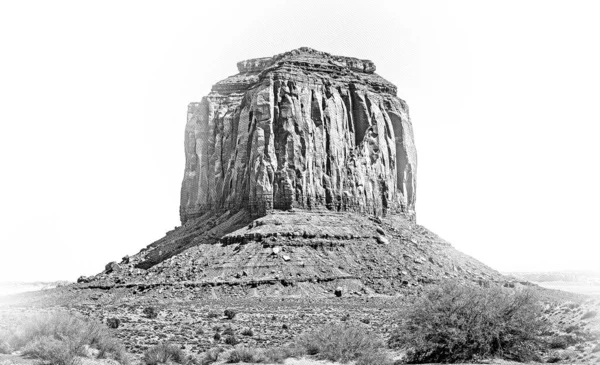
{"x":113,"y":322}
{"x":561,"y":342}
{"x":58,"y":338}
{"x":248,"y":332}
{"x":279,"y":354}
{"x":211,"y":356}
{"x":53,"y":351}
{"x":151,"y":312}
{"x":275,"y":355}
{"x":589,"y":314}
{"x":453,"y":322}
{"x":244,"y":354}
{"x":217,"y":336}
{"x":230,"y":313}
{"x":231,"y":340}
{"x":340,"y":342}
{"x":111,"y":348}
{"x":164,"y":353}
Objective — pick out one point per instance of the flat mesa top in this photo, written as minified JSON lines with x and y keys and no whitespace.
{"x":309,"y":56}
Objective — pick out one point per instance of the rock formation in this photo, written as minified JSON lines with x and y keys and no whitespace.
{"x":301,"y":129}
{"x":300,"y":179}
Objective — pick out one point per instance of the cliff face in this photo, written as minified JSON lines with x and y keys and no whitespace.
{"x":302,"y":129}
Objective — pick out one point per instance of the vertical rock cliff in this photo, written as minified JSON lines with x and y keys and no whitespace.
{"x":303,"y":129}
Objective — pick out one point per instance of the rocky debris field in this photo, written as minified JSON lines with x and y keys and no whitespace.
{"x":296,"y":253}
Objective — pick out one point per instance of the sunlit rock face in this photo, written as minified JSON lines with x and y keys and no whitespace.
{"x":304,"y":130}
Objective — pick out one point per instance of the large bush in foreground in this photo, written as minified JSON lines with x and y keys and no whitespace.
{"x":454,"y":322}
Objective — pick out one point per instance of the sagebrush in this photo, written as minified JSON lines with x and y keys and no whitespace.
{"x":465,"y":322}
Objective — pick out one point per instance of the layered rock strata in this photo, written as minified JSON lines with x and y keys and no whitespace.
{"x":303,"y":129}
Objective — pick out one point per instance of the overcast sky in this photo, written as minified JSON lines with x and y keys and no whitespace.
{"x":504,"y":99}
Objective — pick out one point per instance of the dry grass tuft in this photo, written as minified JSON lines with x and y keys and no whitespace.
{"x":164,"y":353}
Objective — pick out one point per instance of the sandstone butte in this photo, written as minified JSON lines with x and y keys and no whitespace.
{"x":300,"y":179}
{"x":301,"y":129}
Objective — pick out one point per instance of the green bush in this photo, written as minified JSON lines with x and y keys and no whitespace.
{"x":60,"y":337}
{"x":340,"y":342}
{"x":454,"y":323}
{"x":164,"y":353}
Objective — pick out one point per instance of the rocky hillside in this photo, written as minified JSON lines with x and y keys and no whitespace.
{"x":295,"y":253}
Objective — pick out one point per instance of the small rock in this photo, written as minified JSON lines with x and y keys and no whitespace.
{"x":286,"y":258}
{"x":382,"y":240}
{"x":380,"y":231}
{"x":276,"y":250}
{"x":338,"y":291}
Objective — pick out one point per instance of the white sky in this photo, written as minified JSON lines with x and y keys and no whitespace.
{"x":93,"y":100}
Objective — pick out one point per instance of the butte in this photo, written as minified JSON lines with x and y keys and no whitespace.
{"x":300,"y":179}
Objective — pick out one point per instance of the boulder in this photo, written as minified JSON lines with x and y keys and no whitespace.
{"x":382,"y":240}
{"x":112,"y":267}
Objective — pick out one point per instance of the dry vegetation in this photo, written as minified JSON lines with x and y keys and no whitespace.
{"x":61,"y":339}
{"x":454,"y":323}
{"x":447,"y":323}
